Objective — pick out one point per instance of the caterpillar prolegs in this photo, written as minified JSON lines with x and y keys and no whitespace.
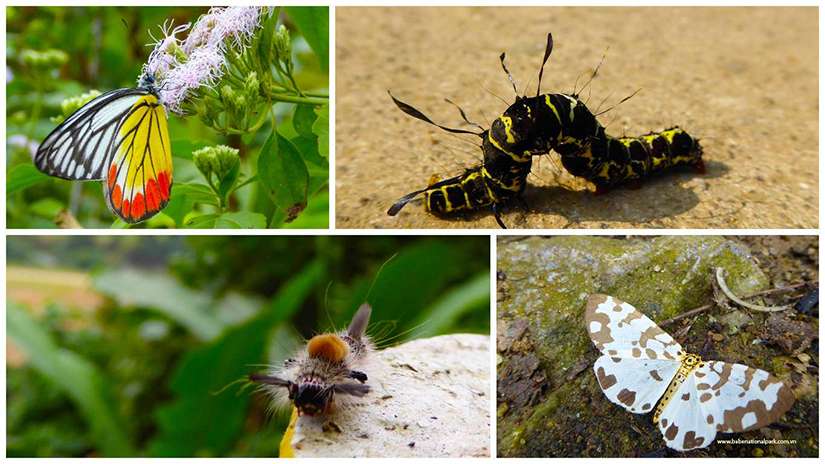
{"x":536,"y":125}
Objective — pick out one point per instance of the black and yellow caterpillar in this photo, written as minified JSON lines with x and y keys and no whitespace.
{"x":535,"y":125}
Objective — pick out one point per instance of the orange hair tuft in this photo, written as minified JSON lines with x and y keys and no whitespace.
{"x":328,"y":346}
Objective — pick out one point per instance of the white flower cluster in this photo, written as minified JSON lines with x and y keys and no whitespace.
{"x":180,"y":66}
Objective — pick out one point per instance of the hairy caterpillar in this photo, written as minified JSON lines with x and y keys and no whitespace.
{"x":535,"y":126}
{"x":314,"y":378}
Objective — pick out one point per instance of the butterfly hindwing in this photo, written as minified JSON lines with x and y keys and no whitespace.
{"x":722,"y":397}
{"x":80,"y":147}
{"x":139,"y":178}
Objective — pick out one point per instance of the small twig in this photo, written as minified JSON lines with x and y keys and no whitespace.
{"x":720,"y":279}
{"x":706,"y":307}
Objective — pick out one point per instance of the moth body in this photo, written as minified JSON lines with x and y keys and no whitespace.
{"x":326,"y":374}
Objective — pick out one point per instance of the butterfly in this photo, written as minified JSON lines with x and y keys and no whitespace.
{"x":641,"y":364}
{"x":122,"y":138}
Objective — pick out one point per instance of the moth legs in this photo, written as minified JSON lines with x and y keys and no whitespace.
{"x":357,"y":375}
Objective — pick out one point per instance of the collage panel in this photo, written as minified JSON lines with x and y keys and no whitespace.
{"x":657,"y":346}
{"x":649,"y":117}
{"x":248,"y":346}
{"x":167,"y":117}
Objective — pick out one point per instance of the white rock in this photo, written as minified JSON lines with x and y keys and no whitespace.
{"x":430,"y":398}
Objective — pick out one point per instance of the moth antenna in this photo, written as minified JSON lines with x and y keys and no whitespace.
{"x":547,"y":50}
{"x":360,"y":321}
{"x":463,"y":115}
{"x":507,"y":71}
{"x":620,"y":102}
{"x":326,"y":305}
{"x":421,"y":116}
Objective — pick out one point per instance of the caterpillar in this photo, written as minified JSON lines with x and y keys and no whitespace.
{"x":534,"y":126}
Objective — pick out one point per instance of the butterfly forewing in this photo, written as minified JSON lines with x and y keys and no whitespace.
{"x":139,"y":178}
{"x":722,"y":397}
{"x":80,"y":147}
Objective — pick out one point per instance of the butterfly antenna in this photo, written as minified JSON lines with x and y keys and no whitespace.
{"x":507,"y":71}
{"x":547,"y":50}
{"x":410,"y":110}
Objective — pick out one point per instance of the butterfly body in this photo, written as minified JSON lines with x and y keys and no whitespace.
{"x":121,"y":138}
{"x":641,"y":365}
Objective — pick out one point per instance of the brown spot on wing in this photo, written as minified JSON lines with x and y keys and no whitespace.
{"x":626,"y":397}
{"x":732,"y":420}
{"x":671,"y":432}
{"x":710,"y":419}
{"x":637,"y":353}
{"x":602,"y":336}
{"x":655,"y":374}
{"x":605,"y":381}
{"x":691,"y":441}
{"x":705,"y":397}
{"x":686,"y":396}
{"x":646,"y":407}
{"x":724,"y":376}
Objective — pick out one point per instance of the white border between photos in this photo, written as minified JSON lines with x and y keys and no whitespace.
{"x":492,"y":233}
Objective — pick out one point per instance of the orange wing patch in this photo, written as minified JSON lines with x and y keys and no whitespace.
{"x":139,"y":179}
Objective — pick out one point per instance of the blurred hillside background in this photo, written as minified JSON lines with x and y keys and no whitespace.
{"x":121,"y":345}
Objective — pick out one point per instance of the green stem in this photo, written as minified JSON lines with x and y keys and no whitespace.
{"x":316,"y":101}
{"x":244,"y":183}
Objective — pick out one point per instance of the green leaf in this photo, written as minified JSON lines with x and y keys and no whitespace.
{"x":313,"y":22}
{"x":321,"y":128}
{"x":47,"y":208}
{"x":241,"y":220}
{"x":22,"y":177}
{"x":284,"y":174}
{"x":200,"y":422}
{"x":229,"y":179}
{"x":162,"y":293}
{"x":198,"y":193}
{"x":88,"y":388}
{"x":303,"y":120}
{"x":195,"y":220}
{"x":461,"y":299}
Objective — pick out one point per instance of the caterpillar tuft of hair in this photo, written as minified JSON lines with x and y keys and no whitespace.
{"x":536,"y":125}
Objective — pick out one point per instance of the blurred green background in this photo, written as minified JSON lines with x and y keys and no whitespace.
{"x":104,"y":48}
{"x":120,"y":345}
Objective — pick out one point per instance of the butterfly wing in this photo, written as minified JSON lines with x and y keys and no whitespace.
{"x":638,"y":358}
{"x":80,"y":147}
{"x":722,"y":397}
{"x":139,"y":175}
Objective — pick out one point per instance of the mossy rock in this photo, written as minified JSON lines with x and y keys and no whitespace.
{"x":549,"y":401}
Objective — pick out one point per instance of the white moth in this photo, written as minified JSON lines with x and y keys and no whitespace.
{"x":641,"y":364}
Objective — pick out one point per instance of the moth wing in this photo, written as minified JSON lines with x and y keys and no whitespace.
{"x":634,"y":384}
{"x":139,"y":176}
{"x":621,"y":331}
{"x":80,"y":147}
{"x":722,"y":397}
